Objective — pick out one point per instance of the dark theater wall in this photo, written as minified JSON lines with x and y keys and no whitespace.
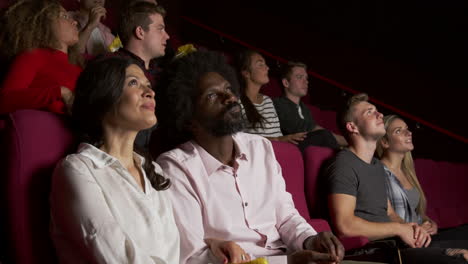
{"x":409,"y":55}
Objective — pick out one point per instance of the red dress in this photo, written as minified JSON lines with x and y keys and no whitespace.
{"x":34,"y":81}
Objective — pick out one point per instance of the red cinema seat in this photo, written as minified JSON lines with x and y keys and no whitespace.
{"x":444,"y":184}
{"x":32,"y":143}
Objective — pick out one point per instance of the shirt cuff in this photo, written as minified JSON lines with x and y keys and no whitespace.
{"x":302,"y":237}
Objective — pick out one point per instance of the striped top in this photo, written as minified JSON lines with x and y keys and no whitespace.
{"x":271,"y":124}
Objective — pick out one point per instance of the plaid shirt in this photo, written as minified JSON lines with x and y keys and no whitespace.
{"x":399,"y":199}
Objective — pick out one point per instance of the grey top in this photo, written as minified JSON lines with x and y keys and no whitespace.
{"x":413,"y":199}
{"x":348,"y":174}
{"x":400,"y":200}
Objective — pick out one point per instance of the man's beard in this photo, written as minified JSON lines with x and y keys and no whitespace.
{"x":228,"y":122}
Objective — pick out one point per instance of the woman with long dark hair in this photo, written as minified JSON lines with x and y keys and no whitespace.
{"x":108,"y":203}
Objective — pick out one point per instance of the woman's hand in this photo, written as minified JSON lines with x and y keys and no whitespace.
{"x":294,"y":138}
{"x":227,"y":251}
{"x":67,"y":97}
{"x":430,"y":227}
{"x":96,"y":14}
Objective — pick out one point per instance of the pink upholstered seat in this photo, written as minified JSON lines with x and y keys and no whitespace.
{"x":290,"y":159}
{"x":272,"y":88}
{"x":32,"y":143}
{"x":314,"y":158}
{"x":445,"y":185}
{"x":325,"y":118}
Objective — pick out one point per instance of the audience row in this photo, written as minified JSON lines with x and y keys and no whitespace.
{"x":217,"y":195}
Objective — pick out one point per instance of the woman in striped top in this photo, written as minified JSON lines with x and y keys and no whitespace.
{"x":258,"y":109}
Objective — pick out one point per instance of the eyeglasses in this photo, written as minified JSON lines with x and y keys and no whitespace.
{"x":65,"y":16}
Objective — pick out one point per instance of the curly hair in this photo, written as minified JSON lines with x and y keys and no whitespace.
{"x":27,"y":25}
{"x":98,"y":89}
{"x":176,"y":99}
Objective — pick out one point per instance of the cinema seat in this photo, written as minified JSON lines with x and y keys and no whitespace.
{"x":32,"y":143}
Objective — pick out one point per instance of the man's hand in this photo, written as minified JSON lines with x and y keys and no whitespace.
{"x":227,"y":251}
{"x":311,"y":257}
{"x":413,"y":235}
{"x":430,"y":227}
{"x":326,"y":242}
{"x":294,"y":138}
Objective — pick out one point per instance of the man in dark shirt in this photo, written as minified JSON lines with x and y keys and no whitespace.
{"x":357,"y":196}
{"x":294,"y":115}
{"x":143,"y":35}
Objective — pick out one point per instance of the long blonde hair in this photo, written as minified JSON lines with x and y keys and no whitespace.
{"x":407,"y":166}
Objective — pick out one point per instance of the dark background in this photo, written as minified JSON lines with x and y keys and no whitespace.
{"x":411,"y":55}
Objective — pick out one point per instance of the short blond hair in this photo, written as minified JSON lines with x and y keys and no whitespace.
{"x":287,"y":69}
{"x":345,"y":114}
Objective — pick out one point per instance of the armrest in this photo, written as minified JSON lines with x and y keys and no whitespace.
{"x":353,"y":242}
{"x":321,"y":225}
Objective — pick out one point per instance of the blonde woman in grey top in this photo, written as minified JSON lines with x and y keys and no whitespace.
{"x":404,"y":191}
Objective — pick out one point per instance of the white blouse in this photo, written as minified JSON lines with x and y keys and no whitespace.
{"x":99,"y":214}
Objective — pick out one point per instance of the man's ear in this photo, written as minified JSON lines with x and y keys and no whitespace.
{"x":139,"y":33}
{"x":351,"y":128}
{"x":285,"y":82}
{"x":245,"y":74}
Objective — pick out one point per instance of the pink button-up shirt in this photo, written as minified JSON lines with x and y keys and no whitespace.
{"x":246,"y":203}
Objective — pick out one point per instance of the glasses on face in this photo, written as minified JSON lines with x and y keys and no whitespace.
{"x":65,"y":16}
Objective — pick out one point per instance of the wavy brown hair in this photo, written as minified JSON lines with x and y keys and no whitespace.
{"x":27,"y":24}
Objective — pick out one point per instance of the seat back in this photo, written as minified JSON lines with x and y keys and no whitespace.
{"x":292,"y":165}
{"x":325,"y":118}
{"x":444,"y":184}
{"x":32,"y":143}
{"x":315,"y":189}
{"x":273,"y":88}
